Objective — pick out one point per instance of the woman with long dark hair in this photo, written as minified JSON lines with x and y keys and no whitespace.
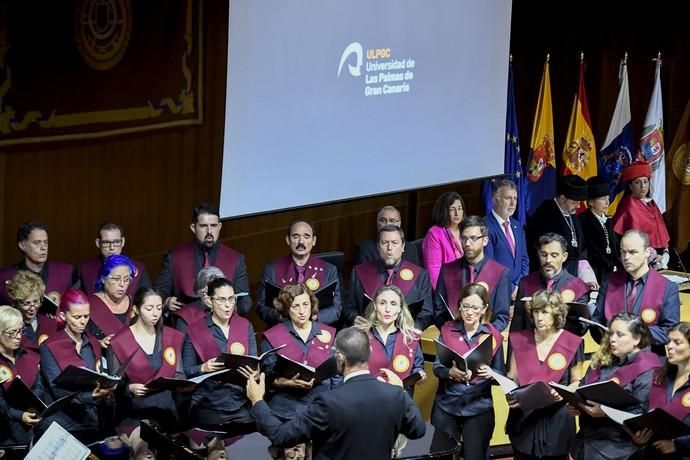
{"x":155,"y":351}
{"x":624,"y":357}
{"x":442,"y":242}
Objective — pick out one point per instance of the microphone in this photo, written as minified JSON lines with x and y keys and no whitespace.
{"x":680,"y":261}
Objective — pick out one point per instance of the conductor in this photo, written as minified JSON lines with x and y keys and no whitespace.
{"x":359,"y":419}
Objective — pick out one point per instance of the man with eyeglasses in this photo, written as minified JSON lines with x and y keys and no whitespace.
{"x":551,"y":276}
{"x":473,"y":267}
{"x":32,"y":241}
{"x":110,"y":241}
{"x":300,"y":267}
{"x":367,"y":250}
{"x":389,"y":268}
{"x":182,"y":264}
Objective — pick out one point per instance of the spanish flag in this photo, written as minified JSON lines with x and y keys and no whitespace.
{"x":579,"y":153}
{"x":541,"y":167}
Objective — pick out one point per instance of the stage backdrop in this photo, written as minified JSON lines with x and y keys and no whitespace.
{"x":98,"y":68}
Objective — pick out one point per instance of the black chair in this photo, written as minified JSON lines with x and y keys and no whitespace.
{"x":416,"y":247}
{"x":336,"y":258}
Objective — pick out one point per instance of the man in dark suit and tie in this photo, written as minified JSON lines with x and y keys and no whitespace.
{"x":507,"y":244}
{"x":359,"y":419}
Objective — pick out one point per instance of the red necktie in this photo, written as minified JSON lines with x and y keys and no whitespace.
{"x":206,"y":261}
{"x":471,"y":269}
{"x":630,"y":300}
{"x":300,"y":273}
{"x":549,"y":284}
{"x":389,"y":280}
{"x":511,"y":243}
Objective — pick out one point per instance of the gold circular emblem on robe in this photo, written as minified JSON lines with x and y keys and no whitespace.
{"x":324,"y":336}
{"x":568,"y":295}
{"x":406,"y":274}
{"x":648,"y":315}
{"x":170,"y":356}
{"x":6,"y":374}
{"x":237,"y":348}
{"x":312,"y":283}
{"x":556,"y":361}
{"x":401,"y":363}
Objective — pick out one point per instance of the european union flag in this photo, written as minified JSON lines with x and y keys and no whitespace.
{"x":512,"y":161}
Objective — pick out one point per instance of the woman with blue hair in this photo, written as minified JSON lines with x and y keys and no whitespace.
{"x":111,"y":307}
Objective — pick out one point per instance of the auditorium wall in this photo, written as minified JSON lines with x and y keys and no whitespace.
{"x":151,"y":181}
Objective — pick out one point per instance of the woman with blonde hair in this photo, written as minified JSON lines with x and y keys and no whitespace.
{"x":395,"y":343}
{"x":546,"y":353}
{"x":16,"y":361}
{"x":463,"y":409}
{"x":26,"y":289}
{"x":623,"y":357}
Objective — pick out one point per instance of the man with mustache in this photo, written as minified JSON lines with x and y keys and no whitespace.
{"x":390,"y":268}
{"x":300,"y":267}
{"x":639,"y":290}
{"x":32,"y":241}
{"x":182,"y":264}
{"x":551,"y":276}
{"x":558,"y":215}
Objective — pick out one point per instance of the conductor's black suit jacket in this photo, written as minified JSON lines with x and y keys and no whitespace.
{"x":359,"y":419}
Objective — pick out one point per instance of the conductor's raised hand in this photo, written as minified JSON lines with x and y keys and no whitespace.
{"x":256,"y":389}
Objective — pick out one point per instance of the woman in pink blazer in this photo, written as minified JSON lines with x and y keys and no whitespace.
{"x":442,"y":242}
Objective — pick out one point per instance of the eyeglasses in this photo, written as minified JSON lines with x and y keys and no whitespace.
{"x":30,"y":303}
{"x":474,"y":308}
{"x":13,"y":333}
{"x":471,"y":239}
{"x":389,"y":221}
{"x":225,"y":300}
{"x":118,"y":280}
{"x":112,"y":244}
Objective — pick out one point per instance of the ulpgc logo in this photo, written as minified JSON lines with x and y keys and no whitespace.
{"x":356,"y":49}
